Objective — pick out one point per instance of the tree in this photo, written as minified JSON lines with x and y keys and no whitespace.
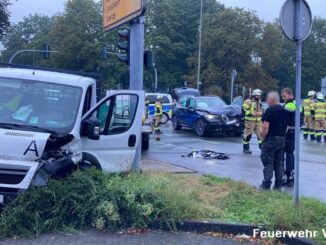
{"x":31,"y":33}
{"x":232,"y":39}
{"x":4,"y":18}
{"x":174,"y":36}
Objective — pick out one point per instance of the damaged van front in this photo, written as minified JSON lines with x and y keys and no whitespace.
{"x":51,"y":125}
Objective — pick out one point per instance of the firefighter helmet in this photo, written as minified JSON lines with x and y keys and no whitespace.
{"x":257,"y":92}
{"x":320,"y":96}
{"x":311,"y":93}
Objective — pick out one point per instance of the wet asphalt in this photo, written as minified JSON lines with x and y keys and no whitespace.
{"x":120,"y":238}
{"x":240,"y":167}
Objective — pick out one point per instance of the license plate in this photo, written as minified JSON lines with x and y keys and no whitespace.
{"x":231,"y":122}
{"x":1,"y":198}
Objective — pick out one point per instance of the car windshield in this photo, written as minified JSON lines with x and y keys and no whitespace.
{"x":38,"y":104}
{"x":204,"y":103}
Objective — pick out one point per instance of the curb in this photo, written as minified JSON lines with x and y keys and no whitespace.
{"x":228,"y":228}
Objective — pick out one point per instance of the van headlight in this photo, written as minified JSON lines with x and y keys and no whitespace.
{"x":212,"y":118}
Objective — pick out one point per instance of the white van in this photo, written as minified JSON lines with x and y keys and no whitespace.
{"x":50,"y":123}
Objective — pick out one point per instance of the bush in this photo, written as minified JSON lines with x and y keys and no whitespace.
{"x":97,"y":200}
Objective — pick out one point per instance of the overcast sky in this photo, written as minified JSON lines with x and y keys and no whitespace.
{"x":266,"y":9}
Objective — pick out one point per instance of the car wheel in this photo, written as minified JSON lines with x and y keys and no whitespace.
{"x":89,"y":162}
{"x":200,"y":128}
{"x":175,"y":123}
{"x":164,"y":118}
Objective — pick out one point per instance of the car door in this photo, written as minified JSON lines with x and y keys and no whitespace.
{"x":191,"y":115}
{"x":120,"y":116}
{"x":181,"y":110}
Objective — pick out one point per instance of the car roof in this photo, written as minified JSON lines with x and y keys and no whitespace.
{"x":158,"y":94}
{"x":46,"y":76}
{"x":207,"y":97}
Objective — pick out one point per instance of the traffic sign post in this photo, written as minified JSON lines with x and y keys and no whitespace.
{"x":115,"y":14}
{"x":296,"y":23}
{"x":119,"y":12}
{"x":137,"y":71}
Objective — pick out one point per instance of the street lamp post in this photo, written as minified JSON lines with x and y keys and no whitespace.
{"x":200,"y":40}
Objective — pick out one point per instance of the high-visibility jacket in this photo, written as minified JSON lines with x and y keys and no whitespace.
{"x":308,"y":107}
{"x":13,"y":104}
{"x":290,"y":106}
{"x":250,"y":107}
{"x":320,"y":110}
{"x":158,"y":109}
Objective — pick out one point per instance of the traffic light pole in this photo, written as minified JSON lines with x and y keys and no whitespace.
{"x":29,"y":51}
{"x":137,"y":71}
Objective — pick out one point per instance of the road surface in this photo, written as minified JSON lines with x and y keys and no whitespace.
{"x":246,"y":168}
{"x":105,"y":238}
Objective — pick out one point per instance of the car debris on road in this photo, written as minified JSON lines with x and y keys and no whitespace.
{"x":208,"y":155}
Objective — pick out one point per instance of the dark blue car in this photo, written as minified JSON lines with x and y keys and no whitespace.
{"x":208,"y":115}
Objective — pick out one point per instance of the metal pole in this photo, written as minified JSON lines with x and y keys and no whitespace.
{"x":200,"y":39}
{"x":155,"y":85}
{"x":29,"y":50}
{"x":137,"y":72}
{"x":298,"y":28}
{"x":232,"y":87}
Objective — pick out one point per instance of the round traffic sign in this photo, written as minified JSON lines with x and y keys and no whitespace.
{"x":288,"y":19}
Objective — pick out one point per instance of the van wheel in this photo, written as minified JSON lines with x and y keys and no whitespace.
{"x":89,"y":162}
{"x":165,"y":118}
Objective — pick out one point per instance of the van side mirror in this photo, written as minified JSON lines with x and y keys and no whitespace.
{"x":91,"y":128}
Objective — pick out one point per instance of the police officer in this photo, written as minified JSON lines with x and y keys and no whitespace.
{"x":158,"y":117}
{"x":308,"y":107}
{"x":320,"y":117}
{"x":253,"y":111}
{"x":290,"y":107}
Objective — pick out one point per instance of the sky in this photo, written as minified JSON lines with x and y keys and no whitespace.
{"x":266,"y":9}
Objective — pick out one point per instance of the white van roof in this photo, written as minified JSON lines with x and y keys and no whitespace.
{"x":46,"y":76}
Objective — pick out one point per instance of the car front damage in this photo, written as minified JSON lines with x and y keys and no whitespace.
{"x":31,"y":158}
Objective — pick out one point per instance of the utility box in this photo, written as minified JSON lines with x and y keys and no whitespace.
{"x":323,"y":85}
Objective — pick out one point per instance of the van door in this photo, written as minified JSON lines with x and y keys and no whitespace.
{"x":120,"y":116}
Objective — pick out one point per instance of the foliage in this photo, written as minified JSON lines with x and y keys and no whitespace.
{"x":4,"y":18}
{"x":97,"y":200}
{"x":272,"y":210}
{"x":102,"y":201}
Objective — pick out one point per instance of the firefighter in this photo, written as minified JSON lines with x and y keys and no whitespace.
{"x":158,"y":117}
{"x":320,"y":118}
{"x":253,"y":111}
{"x":308,"y":106}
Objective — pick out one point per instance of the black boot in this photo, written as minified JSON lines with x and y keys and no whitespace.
{"x":325,"y":138}
{"x":318,"y":138}
{"x":289,"y":180}
{"x":266,"y":185}
{"x":313,"y":137}
{"x":246,"y":149}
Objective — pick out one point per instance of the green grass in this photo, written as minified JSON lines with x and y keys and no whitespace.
{"x":102,"y":201}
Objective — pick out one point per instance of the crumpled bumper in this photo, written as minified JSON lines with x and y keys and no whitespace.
{"x":15,"y":176}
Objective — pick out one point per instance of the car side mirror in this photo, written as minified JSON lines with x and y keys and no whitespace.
{"x":91,"y":128}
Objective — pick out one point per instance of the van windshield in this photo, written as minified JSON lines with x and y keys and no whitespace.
{"x":38,"y":104}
